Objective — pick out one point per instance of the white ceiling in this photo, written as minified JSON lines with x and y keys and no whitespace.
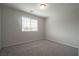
{"x":51,"y":8}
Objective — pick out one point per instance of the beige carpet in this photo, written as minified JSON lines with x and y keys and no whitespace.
{"x":40,"y":48}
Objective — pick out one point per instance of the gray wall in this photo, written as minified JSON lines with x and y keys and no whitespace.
{"x":11,"y":25}
{"x":63,"y":24}
{"x":0,"y":27}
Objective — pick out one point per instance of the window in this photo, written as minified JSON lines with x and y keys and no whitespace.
{"x":29,"y":24}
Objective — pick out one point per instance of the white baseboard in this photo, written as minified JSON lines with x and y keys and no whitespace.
{"x":65,"y":43}
{"x":20,"y":43}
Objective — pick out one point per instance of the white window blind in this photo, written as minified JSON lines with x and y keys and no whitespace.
{"x":29,"y":24}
